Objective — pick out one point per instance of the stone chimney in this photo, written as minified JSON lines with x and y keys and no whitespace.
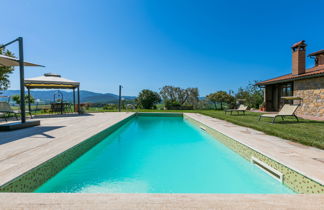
{"x":320,"y":59}
{"x":299,"y":58}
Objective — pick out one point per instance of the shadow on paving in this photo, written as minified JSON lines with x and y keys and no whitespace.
{"x":37,"y":132}
{"x":61,"y":115}
{"x":46,"y":116}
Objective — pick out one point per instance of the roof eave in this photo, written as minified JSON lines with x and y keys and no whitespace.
{"x":289,"y":80}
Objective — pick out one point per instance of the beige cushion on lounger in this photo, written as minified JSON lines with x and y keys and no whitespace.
{"x":286,"y":110}
{"x":242,"y":107}
{"x":5,"y":107}
{"x":269,"y":115}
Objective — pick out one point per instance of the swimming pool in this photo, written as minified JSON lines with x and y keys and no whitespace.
{"x":150,"y":154}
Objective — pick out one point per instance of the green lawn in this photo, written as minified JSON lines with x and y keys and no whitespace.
{"x":306,"y":132}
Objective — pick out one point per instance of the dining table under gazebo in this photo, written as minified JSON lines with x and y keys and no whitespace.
{"x":54,"y":81}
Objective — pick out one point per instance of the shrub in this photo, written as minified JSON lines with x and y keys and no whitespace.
{"x":147,"y":99}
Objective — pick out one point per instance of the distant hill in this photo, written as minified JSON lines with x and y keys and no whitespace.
{"x":85,"y":96}
{"x":105,"y":98}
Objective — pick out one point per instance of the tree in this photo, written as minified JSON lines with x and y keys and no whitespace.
{"x":147,"y":99}
{"x":5,"y":71}
{"x":16,"y":98}
{"x":256,"y":93}
{"x":252,"y":94}
{"x":193,"y":97}
{"x":220,"y":97}
{"x":178,"y":96}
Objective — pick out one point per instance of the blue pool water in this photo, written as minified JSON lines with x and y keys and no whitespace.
{"x":161,"y":155}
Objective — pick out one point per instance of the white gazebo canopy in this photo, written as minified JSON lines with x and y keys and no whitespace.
{"x":49,"y":81}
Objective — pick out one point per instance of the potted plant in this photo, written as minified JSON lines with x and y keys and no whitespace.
{"x":262,"y":107}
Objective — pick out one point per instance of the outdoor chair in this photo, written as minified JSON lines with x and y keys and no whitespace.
{"x":68,"y":108}
{"x":288,"y":110}
{"x":6,"y":110}
{"x":2,"y":115}
{"x":242,"y":108}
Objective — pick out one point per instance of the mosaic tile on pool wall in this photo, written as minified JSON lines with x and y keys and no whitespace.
{"x":292,"y":179}
{"x":35,"y":177}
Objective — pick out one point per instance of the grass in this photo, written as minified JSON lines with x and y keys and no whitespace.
{"x":307,"y":132}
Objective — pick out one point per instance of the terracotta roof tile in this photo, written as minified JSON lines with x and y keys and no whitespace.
{"x":317,"y":71}
{"x":317,"y":53}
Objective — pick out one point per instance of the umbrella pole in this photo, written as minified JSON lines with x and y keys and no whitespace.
{"x":22,"y":76}
{"x":79,"y":110}
{"x":119,"y":99}
{"x":73,"y":99}
{"x":29,"y":108}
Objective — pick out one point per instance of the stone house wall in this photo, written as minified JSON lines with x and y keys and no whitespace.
{"x":312,"y":92}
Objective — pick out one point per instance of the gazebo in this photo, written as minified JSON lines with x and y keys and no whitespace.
{"x":53,"y":81}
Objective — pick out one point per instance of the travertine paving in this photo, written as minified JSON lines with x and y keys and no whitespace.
{"x":306,"y":160}
{"x":22,"y":150}
{"x":159,"y":201}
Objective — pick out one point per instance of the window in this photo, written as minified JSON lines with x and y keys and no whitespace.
{"x":287,"y":89}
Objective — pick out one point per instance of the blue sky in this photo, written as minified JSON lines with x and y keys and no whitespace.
{"x":213,"y":45}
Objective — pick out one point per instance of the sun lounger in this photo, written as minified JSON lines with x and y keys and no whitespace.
{"x":286,"y":111}
{"x":6,"y":110}
{"x":241,"y":108}
{"x":2,"y":114}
